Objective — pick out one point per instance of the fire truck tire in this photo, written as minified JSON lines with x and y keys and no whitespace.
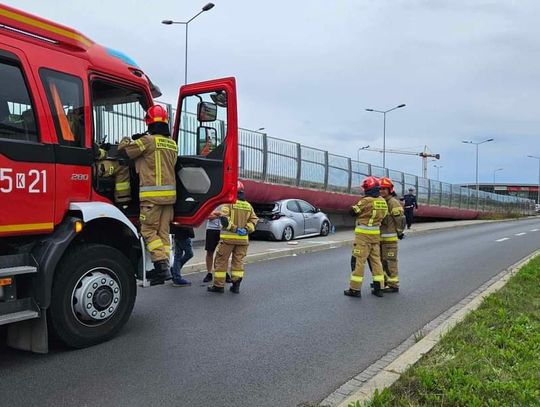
{"x":93,"y":295}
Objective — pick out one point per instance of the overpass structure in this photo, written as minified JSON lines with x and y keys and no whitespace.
{"x":274,"y":169}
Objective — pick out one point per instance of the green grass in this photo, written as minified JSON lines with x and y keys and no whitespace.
{"x":492,"y":358}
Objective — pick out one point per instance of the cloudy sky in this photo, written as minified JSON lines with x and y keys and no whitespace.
{"x":306,"y":71}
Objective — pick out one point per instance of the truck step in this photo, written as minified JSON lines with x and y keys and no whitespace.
{"x":17,"y":260}
{"x":18,"y":316}
{"x":18,"y":310}
{"x":13,"y":271}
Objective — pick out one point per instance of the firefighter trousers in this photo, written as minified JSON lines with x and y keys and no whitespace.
{"x":366,"y":250}
{"x":223,"y":252}
{"x":155,"y":226}
{"x":389,"y":256}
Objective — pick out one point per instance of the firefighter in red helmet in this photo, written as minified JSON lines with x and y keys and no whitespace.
{"x":155,"y":155}
{"x":392,"y":228}
{"x":237,"y":221}
{"x":369,"y":213}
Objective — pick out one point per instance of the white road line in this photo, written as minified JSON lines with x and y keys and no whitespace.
{"x":521,"y":234}
{"x":502,"y":240}
{"x":535,"y":230}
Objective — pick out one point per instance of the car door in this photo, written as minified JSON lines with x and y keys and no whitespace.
{"x":206,"y":132}
{"x":311,"y":220}
{"x":294,"y":212}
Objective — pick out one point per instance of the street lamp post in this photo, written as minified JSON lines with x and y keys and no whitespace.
{"x":537,"y":158}
{"x":384,"y":128}
{"x":207,"y":7}
{"x":477,"y":143}
{"x":358,"y":152}
{"x":438,"y":168}
{"x":494,"y":172}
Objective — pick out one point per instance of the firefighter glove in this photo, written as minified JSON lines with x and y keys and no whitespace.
{"x":400,"y":236}
{"x":241,"y":231}
{"x":224,"y":221}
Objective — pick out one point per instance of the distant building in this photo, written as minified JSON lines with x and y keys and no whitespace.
{"x":528,"y":191}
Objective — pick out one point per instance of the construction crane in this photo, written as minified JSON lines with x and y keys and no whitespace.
{"x":424,"y":154}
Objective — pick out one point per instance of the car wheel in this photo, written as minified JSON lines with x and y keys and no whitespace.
{"x":288,"y":233}
{"x":93,"y":294}
{"x":325,"y":228}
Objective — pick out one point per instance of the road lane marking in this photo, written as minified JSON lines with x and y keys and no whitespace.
{"x":521,"y":234}
{"x":502,"y":240}
{"x":535,"y":230}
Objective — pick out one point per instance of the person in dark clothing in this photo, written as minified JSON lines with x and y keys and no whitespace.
{"x":183,"y":251}
{"x":409,"y":206}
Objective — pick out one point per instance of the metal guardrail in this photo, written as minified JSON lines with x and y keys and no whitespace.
{"x":278,"y":161}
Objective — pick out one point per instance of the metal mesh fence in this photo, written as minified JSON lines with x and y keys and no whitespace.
{"x":279,"y":161}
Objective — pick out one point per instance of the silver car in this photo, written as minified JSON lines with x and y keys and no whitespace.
{"x":289,"y":219}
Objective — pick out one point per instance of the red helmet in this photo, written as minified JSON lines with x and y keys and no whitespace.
{"x":240,"y":186}
{"x":156,"y":114}
{"x":370,"y":183}
{"x":387,"y":183}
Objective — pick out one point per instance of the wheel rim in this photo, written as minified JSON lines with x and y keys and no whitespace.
{"x":287,"y":233}
{"x":325,"y":228}
{"x":96,"y":296}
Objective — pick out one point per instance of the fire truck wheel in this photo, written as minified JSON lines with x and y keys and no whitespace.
{"x":93,"y":294}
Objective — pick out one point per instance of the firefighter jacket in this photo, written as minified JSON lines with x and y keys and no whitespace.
{"x":240,"y":215}
{"x":393,"y":223}
{"x":155,"y":158}
{"x":370,"y":212}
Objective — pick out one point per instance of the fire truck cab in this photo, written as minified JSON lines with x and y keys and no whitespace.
{"x":70,"y":252}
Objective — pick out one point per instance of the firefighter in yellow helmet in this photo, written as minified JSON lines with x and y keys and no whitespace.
{"x":237,"y":220}
{"x":369,"y":213}
{"x":392,"y":228}
{"x":155,"y":156}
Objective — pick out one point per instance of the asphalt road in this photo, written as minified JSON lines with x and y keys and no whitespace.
{"x":290,"y":336}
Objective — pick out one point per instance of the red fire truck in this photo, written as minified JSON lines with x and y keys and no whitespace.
{"x":69,"y":254}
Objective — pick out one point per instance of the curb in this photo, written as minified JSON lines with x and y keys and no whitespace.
{"x":253,"y":258}
{"x":389,"y":368}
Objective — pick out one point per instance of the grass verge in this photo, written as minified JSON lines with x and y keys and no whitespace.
{"x":492,"y":358}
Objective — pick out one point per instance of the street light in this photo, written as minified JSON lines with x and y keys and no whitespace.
{"x":537,"y":158}
{"x":358,"y":152}
{"x":384,"y":128}
{"x":477,"y":143}
{"x":207,"y":7}
{"x":494,"y":172}
{"x":438,"y":168}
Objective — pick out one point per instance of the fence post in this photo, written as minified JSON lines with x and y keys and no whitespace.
{"x":349,"y":187}
{"x":326,"y":170}
{"x":265,"y":156}
{"x":298,"y":163}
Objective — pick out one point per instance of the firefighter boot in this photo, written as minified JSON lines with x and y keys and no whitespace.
{"x":235,"y":287}
{"x":160,"y":272}
{"x":214,"y":289}
{"x":352,"y":293}
{"x":377,"y":289}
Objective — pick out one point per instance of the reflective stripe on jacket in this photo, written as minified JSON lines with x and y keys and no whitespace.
{"x":240,"y":215}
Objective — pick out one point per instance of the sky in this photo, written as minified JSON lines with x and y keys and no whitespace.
{"x":306,"y":71}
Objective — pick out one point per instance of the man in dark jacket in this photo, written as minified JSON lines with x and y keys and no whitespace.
{"x":409,"y":206}
{"x":183,"y":251}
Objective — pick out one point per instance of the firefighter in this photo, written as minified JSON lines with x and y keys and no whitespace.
{"x":410,"y":204}
{"x":237,"y":221}
{"x":391,"y":231}
{"x":155,"y":156}
{"x":369,"y":212}
{"x":110,"y":168}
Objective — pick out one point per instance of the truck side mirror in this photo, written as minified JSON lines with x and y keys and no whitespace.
{"x":206,"y":112}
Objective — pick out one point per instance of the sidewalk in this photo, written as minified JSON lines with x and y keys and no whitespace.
{"x":266,"y":250}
